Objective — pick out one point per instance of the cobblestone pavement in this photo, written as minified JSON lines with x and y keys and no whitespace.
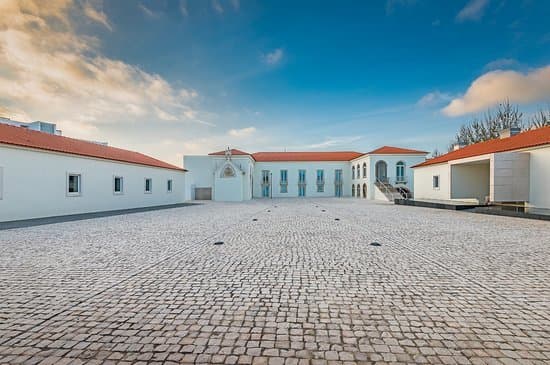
{"x":290,"y":285}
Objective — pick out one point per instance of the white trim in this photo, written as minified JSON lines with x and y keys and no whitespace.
{"x":121,"y":192}
{"x":145,"y":191}
{"x":1,"y":183}
{"x":74,"y":194}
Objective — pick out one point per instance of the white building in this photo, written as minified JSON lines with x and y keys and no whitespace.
{"x":234,"y":175}
{"x":513,"y":169}
{"x":44,"y":175}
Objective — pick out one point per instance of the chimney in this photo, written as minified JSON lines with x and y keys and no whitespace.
{"x":509,"y":132}
{"x":458,"y":146}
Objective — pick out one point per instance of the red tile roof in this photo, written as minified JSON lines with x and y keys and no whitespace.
{"x":305,"y":156}
{"x":24,"y":137}
{"x":233,"y":152}
{"x":532,"y":138}
{"x":389,"y":150}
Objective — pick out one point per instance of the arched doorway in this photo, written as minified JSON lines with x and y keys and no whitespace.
{"x":365,"y":191}
{"x":381,"y":170}
{"x":353,"y":189}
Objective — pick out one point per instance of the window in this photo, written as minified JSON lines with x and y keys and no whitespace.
{"x":358,"y":171}
{"x":266,"y":182}
{"x":118,"y":185}
{"x":301,"y":182}
{"x":353,"y":172}
{"x":320,"y":181}
{"x":400,"y":172}
{"x":364,"y":170}
{"x":352,"y":190}
{"x":74,"y":184}
{"x":169,"y":186}
{"x":148,"y":185}
{"x":338,"y":183}
{"x":284,"y":181}
{"x":228,"y":171}
{"x":435,"y":181}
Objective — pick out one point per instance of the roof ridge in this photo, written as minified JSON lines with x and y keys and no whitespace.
{"x":24,"y":137}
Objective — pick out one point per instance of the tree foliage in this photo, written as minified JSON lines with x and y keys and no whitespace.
{"x":504,"y":116}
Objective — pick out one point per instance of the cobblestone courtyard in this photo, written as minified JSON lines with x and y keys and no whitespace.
{"x":290,"y":285}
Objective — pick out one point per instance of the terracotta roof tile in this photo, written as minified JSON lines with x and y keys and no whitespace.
{"x":532,"y":138}
{"x":305,"y":156}
{"x":24,"y":137}
{"x":389,"y":150}
{"x":233,"y":152}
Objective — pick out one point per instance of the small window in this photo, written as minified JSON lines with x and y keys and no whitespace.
{"x":148,"y":185}
{"x":435,"y":181}
{"x":169,"y":186}
{"x":74,"y":184}
{"x":284,"y":181}
{"x":118,"y":185}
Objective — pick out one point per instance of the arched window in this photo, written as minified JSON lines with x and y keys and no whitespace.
{"x":400,"y":172}
{"x":364,"y":190}
{"x":364,"y":170}
{"x":381,"y":171}
{"x":358,"y":171}
{"x":353,"y":172}
{"x":353,"y":187}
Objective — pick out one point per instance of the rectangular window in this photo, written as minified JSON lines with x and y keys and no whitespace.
{"x":148,"y":185}
{"x":301,"y":182}
{"x":118,"y":185}
{"x":266,"y":183}
{"x":435,"y":181}
{"x":320,"y":181}
{"x":74,"y":184}
{"x":338,"y":183}
{"x":284,"y":181}
{"x":169,"y":186}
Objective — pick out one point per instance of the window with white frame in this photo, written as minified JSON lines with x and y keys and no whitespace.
{"x":435,"y":181}
{"x":148,"y":185}
{"x":74,"y":184}
{"x":364,"y":170}
{"x":169,"y":186}
{"x":320,"y":181}
{"x":400,"y":172}
{"x":284,"y":181}
{"x":353,"y":172}
{"x":118,"y":185}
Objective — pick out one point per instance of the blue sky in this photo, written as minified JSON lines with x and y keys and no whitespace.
{"x":269,"y":75}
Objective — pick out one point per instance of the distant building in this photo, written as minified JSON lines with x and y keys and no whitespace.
{"x":43,"y":174}
{"x":235,"y":175}
{"x":514,"y":169}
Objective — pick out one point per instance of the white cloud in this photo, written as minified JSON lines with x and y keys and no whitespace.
{"x":473,"y":10}
{"x":243,"y":132}
{"x":501,"y":63}
{"x":92,"y":11}
{"x":148,"y":12}
{"x":49,"y":72}
{"x":496,"y":86}
{"x":217,"y":6}
{"x":434,"y":98}
{"x":183,"y":8}
{"x":333,"y":142}
{"x":236,"y":4}
{"x":274,"y":57}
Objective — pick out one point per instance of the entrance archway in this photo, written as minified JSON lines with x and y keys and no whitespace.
{"x":381,"y":170}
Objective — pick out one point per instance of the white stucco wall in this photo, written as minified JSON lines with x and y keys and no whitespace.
{"x":201,"y":174}
{"x":539,"y":183}
{"x":470,"y":181}
{"x":391,"y":162}
{"x":311,"y":178}
{"x":423,"y":178}
{"x":34,"y":184}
